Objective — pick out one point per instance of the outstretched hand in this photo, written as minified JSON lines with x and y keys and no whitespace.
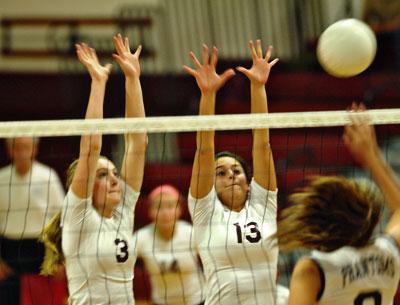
{"x":87,"y":56}
{"x":259,"y":72}
{"x":128,"y":62}
{"x":205,"y":74}
{"x":359,"y":136}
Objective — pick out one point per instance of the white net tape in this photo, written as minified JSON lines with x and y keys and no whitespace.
{"x":191,"y":123}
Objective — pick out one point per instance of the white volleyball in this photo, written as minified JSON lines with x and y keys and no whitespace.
{"x":346,"y":48}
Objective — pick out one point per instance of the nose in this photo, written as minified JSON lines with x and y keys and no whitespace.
{"x":114,"y":179}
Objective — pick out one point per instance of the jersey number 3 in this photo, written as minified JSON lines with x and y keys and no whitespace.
{"x":254,"y":236}
{"x":122,"y":250}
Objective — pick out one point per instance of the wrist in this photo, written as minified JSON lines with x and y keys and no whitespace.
{"x":132,"y":78}
{"x":257,"y":85}
{"x":209,"y":94}
{"x":99,"y":80}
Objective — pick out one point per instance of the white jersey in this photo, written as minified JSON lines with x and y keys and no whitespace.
{"x":99,"y":251}
{"x":175,"y":275}
{"x":369,"y":275}
{"x":238,"y":254}
{"x":282,"y":295}
{"x":28,"y":202}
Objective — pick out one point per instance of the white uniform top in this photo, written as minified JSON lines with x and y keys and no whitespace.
{"x":175,"y":275}
{"x":369,"y":275}
{"x":99,"y":251}
{"x":238,"y":254}
{"x":282,"y":295}
{"x":28,"y":202}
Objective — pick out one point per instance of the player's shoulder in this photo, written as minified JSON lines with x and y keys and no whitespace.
{"x":307,"y":266}
{"x":5,"y":171}
{"x":146,"y":230}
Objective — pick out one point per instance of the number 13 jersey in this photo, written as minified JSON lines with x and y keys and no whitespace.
{"x":238,"y":254}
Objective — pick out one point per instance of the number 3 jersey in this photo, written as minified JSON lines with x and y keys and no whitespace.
{"x":99,"y":251}
{"x":175,"y":275}
{"x":238,"y":254}
{"x":369,"y":275}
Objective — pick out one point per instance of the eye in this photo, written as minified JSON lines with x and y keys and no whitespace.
{"x":237,"y":172}
{"x":102,"y":174}
{"x":220,"y":173}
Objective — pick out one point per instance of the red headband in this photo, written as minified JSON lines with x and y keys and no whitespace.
{"x":165,"y":189}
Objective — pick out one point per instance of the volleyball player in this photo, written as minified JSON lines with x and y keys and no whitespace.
{"x":335,"y":217}
{"x":167,"y":249}
{"x":234,"y":214}
{"x":98,"y":212}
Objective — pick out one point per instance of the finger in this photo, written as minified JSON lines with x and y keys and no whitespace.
{"x":118,"y":44}
{"x":269,"y":53}
{"x":350,"y":132}
{"x":272,"y":63}
{"x":243,"y":70}
{"x":79,"y":52}
{"x":252,"y":50}
{"x":108,"y":67}
{"x":214,"y":57}
{"x":93,"y":54}
{"x":259,"y":48}
{"x":354,"y":106}
{"x":86,"y":49}
{"x":189,"y":70}
{"x":127,"y":47}
{"x":195,"y":60}
{"x":205,"y":54}
{"x":346,"y":140}
{"x":227,"y":75}
{"x":117,"y":58}
{"x":138,"y":51}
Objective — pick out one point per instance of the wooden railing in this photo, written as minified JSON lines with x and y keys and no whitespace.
{"x":74,"y":26}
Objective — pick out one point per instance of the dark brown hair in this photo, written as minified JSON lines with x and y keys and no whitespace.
{"x":331,"y":212}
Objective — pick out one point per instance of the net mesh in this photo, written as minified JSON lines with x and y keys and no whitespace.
{"x":303,"y":144}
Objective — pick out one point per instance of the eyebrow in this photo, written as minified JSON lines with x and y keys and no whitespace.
{"x":105,"y":169}
{"x":234,"y":165}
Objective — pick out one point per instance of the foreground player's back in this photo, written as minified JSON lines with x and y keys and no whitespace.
{"x":368,"y":275}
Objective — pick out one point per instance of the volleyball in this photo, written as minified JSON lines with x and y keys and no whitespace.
{"x":346,"y":48}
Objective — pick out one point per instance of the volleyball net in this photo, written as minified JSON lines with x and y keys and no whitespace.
{"x":303,"y":144}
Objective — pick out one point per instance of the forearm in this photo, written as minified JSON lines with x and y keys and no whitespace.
{"x":135,"y":143}
{"x":385,"y":179}
{"x":205,"y":139}
{"x":134,"y":98}
{"x":91,"y":144}
{"x":203,"y":171}
{"x":259,"y":104}
{"x":134,"y":108}
{"x":263,"y":162}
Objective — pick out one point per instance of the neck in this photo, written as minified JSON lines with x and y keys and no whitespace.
{"x":165,"y":233}
{"x":106,"y":213}
{"x":22,"y":170}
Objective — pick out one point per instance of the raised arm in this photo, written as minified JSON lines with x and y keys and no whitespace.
{"x":135,"y":143}
{"x":90,"y":146}
{"x":203,"y":172}
{"x":360,"y":139}
{"x":263,"y":162}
